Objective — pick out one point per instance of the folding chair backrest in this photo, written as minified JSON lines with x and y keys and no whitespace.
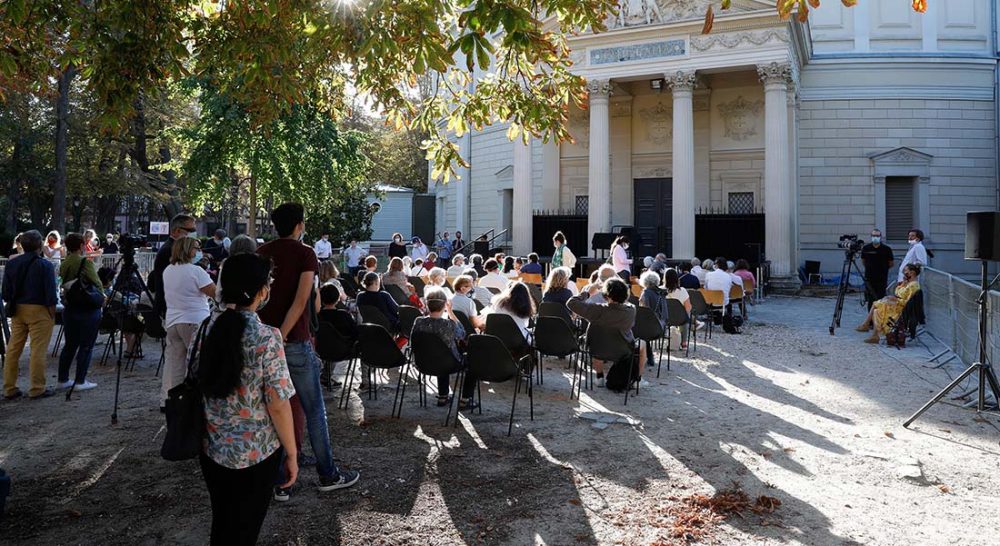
{"x":748,"y":286}
{"x":912,"y":314}
{"x":647,"y":326}
{"x":736,"y":292}
{"x":580,"y":283}
{"x":466,"y":323}
{"x":331,"y":346}
{"x":489,"y":359}
{"x":503,"y":327}
{"x":606,"y":343}
{"x":676,"y":314}
{"x":636,"y":290}
{"x":698,"y":305}
{"x":432,"y":355}
{"x":530,"y":278}
{"x":377,"y":347}
{"x":408,"y":314}
{"x":535,"y":291}
{"x":553,"y":309}
{"x":493,"y":290}
{"x":714,"y":298}
{"x":418,"y":285}
{"x":397,"y":293}
{"x":374,"y":315}
{"x":554,"y":336}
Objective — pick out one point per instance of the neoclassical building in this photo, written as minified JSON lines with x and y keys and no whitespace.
{"x":872,"y":116}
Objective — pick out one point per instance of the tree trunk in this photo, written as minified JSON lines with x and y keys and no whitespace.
{"x":174,"y":205}
{"x":62,"y":142}
{"x":252,"y":216}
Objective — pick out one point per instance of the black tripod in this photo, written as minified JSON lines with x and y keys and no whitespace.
{"x":127,"y":276}
{"x":845,"y":282}
{"x":984,"y":367}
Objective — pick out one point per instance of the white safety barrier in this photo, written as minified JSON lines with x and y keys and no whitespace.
{"x":952,"y":311}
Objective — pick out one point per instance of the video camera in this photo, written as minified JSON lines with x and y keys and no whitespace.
{"x":128,"y":243}
{"x":851,"y":244}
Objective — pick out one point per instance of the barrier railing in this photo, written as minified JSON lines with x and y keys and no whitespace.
{"x":143,"y":260}
{"x":952,"y":311}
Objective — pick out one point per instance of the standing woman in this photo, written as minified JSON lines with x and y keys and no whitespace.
{"x":186,"y":289}
{"x":53,"y":246}
{"x":80,"y":325}
{"x":397,"y":248}
{"x":91,"y":246}
{"x":562,"y":255}
{"x":244,"y":379}
{"x":619,"y":258}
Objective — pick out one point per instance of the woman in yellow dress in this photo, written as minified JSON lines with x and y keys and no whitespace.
{"x":890,"y":307}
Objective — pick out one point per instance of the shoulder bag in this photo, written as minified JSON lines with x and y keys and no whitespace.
{"x":80,"y":293}
{"x":185,"y":410}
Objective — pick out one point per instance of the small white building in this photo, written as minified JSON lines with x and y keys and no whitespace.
{"x":395,"y":211}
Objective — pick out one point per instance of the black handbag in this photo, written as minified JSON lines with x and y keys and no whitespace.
{"x":80,"y":293}
{"x":185,"y":410}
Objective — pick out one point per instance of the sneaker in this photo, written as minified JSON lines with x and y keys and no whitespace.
{"x":699,"y":326}
{"x":443,"y":401}
{"x":85,"y":386}
{"x":63,"y":385}
{"x":282,"y":495}
{"x":14,"y":395}
{"x":600,"y":381}
{"x":334,"y":384}
{"x":49,"y":391}
{"x":645,"y":384}
{"x":343,"y":480}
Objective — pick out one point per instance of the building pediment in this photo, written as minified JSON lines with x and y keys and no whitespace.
{"x":902,"y":155}
{"x":632,"y":13}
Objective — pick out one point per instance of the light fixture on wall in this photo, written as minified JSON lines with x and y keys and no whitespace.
{"x":656,"y":84}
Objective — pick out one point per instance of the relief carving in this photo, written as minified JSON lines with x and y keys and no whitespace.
{"x":735,"y":39}
{"x":740,"y":117}
{"x":659,"y":123}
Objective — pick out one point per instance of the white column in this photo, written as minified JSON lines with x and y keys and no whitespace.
{"x":463,"y":185}
{"x":521,"y":214}
{"x":599,"y":192}
{"x":550,"y":175}
{"x":682,"y":85}
{"x":778,"y":194}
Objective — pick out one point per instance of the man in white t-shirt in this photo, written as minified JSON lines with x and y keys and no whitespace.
{"x":720,"y":279}
{"x":323,"y":248}
{"x":493,"y":278}
{"x":917,"y":254}
{"x":354,"y":255}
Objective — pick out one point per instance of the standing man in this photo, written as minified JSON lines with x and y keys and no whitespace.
{"x":458,"y":243}
{"x":354,"y":256}
{"x":29,"y":285}
{"x":295,"y":267}
{"x":109,"y":246}
{"x":181,"y":226}
{"x":215,"y":246}
{"x":877,"y":259}
{"x":444,"y":251}
{"x":917,"y":254}
{"x":323,"y":247}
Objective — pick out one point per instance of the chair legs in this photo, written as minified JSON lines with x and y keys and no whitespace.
{"x":403,"y":370}
{"x":513,"y":404}
{"x":59,"y":336}
{"x":349,"y":376}
{"x":163,"y":355}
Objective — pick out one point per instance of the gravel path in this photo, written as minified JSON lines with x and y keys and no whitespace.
{"x":784,"y":411}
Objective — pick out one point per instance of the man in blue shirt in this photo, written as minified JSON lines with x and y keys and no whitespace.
{"x":688,"y":280}
{"x":29,"y":282}
{"x":444,"y":251}
{"x":532,"y":267}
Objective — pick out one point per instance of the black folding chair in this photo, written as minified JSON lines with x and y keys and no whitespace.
{"x":466,"y":323}
{"x":378,"y":351}
{"x":333,"y":347}
{"x":489,"y":360}
{"x":418,"y":285}
{"x":155,"y":330}
{"x":700,"y":310}
{"x":677,"y":317}
{"x":373,"y":315}
{"x":535,"y":291}
{"x":397,"y":293}
{"x":504,"y":327}
{"x":59,"y":334}
{"x":350,"y":285}
{"x":608,"y":345}
{"x":555,"y":337}
{"x":408,"y":314}
{"x":647,"y":329}
{"x":433,"y":357}
{"x":553,"y":309}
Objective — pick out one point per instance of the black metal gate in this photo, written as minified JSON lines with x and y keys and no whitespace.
{"x":574,"y":226}
{"x":653,"y":213}
{"x":734,"y":236}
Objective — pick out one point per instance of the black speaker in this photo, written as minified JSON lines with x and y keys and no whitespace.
{"x":982,"y":236}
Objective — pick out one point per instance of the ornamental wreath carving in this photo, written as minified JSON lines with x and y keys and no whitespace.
{"x":740,"y":117}
{"x":659,"y":123}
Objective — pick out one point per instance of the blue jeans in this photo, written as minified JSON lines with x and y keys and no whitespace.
{"x":80,"y":328}
{"x":304,"y":367}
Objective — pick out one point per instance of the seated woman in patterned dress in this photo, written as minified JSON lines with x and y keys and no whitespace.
{"x":890,"y":307}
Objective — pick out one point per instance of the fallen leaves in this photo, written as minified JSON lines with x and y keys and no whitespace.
{"x":890,"y":435}
{"x":694,"y":517}
{"x":944,"y":488}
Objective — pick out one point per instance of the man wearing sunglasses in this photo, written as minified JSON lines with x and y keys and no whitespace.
{"x":181,"y":226}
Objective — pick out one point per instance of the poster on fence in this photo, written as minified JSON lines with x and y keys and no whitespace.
{"x":159,"y":228}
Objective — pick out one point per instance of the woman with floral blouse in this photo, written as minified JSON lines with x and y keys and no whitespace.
{"x":245,"y":381}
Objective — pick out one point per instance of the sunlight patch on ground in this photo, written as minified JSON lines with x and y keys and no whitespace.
{"x":471,"y":430}
{"x":92,"y":479}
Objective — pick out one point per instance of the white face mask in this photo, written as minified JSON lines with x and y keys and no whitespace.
{"x":913,"y":242}
{"x":625,"y":246}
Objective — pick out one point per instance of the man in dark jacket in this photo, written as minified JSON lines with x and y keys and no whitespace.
{"x":181,"y":226}
{"x":616,"y":313}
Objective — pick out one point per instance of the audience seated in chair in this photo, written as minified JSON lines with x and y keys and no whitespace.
{"x":493,"y":278}
{"x":557,"y":286}
{"x":437,"y":277}
{"x":615,"y":313}
{"x":373,"y":296}
{"x":888,"y":309}
{"x":515,"y":302}
{"x":457,"y":266}
{"x":532,"y":267}
{"x":462,"y":301}
{"x":443,"y":323}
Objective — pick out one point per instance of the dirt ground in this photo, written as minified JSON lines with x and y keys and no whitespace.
{"x":783,"y":411}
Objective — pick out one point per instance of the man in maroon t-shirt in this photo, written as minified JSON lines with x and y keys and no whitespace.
{"x":295,"y":267}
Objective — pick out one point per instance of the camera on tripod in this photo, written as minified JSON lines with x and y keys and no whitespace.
{"x":128,"y":244}
{"x":851,"y":244}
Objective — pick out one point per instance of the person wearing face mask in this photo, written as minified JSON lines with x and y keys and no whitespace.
{"x":397,"y":248}
{"x":323,"y":247}
{"x":109,"y":246}
{"x":181,"y":226}
{"x":916,"y":254}
{"x":889,"y":308}
{"x":187,"y":288}
{"x":91,"y":245}
{"x":53,"y":247}
{"x":619,"y":258}
{"x":877,"y":258}
{"x":354,"y":254}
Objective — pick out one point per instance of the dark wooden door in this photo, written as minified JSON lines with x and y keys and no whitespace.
{"x":653,"y":199}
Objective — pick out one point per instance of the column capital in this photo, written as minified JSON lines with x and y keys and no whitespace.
{"x":681,"y":80}
{"x":775,"y":73}
{"x":599,"y":88}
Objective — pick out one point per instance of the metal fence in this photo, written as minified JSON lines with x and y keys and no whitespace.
{"x":953,"y":314}
{"x":144,"y":261}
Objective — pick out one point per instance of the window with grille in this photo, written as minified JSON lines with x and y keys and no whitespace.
{"x":582,"y":204}
{"x":741,"y":202}
{"x":898,"y":207}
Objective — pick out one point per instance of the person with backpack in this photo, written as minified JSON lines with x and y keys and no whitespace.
{"x":80,"y":323}
{"x":615,"y":313}
{"x":244,"y":378}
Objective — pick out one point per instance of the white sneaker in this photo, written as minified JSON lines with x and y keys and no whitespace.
{"x":65,"y":385}
{"x":85,"y":386}
{"x":645,"y":384}
{"x":600,"y":381}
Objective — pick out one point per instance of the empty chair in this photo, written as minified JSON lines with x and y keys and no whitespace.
{"x":553,"y":309}
{"x":433,"y":357}
{"x":607,"y":344}
{"x":699,"y":310}
{"x":489,"y":360}
{"x":647,"y":329}
{"x":407,"y":315}
{"x":555,"y":337}
{"x":736,"y":295}
{"x":373,"y":315}
{"x":378,"y":350}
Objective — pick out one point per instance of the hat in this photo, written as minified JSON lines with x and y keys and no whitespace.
{"x":415,"y":239}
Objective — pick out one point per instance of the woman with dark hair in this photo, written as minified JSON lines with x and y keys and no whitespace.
{"x":515,"y":302}
{"x":244,"y":379}
{"x":743,"y":271}
{"x":80,"y":325}
{"x":619,"y":258}
{"x":397,"y":248}
{"x":889,"y":308}
{"x":674,"y":290}
{"x":508,"y":267}
{"x":374,"y":296}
